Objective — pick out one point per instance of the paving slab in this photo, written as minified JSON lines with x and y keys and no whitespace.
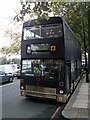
{"x":78,"y":107}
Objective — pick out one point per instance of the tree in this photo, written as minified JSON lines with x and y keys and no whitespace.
{"x":89,"y":38}
{"x":13,"y":36}
{"x":73,"y":17}
{"x":37,"y":10}
{"x":70,"y":11}
{"x":16,"y":61}
{"x":3,"y":60}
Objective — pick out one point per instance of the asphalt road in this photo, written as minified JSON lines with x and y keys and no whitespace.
{"x":16,"y":106}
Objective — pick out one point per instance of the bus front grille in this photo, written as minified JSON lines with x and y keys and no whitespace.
{"x":43,"y":90}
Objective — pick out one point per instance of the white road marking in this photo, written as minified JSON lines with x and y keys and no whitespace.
{"x":8,"y":84}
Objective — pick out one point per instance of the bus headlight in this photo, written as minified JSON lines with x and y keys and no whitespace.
{"x":61,"y":91}
{"x":22,"y":85}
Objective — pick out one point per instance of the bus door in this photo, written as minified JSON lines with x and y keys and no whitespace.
{"x":68,"y":76}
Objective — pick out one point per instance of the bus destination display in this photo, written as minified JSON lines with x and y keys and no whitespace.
{"x":39,"y":48}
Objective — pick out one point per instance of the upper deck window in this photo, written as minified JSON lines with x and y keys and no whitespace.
{"x":46,"y":31}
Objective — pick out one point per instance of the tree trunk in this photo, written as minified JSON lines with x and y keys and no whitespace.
{"x":89,"y":39}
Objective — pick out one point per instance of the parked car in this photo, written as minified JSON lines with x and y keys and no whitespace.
{"x":9,"y":68}
{"x":5,"y":77}
{"x":17,"y":74}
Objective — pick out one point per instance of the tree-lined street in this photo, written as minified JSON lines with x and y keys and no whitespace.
{"x":60,"y":62}
{"x":70,"y":11}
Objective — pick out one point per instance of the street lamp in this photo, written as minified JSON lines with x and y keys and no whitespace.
{"x":84,"y":41}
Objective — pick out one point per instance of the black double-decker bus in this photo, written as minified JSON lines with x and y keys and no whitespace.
{"x":50,"y":59}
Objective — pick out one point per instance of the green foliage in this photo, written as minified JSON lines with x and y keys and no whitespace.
{"x":73,"y":17}
{"x":71,"y":12}
{"x":15,"y":42}
{"x":4,"y":60}
{"x":37,"y":10}
{"x":16,"y":61}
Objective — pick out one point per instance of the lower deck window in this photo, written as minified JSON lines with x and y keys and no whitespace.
{"x":50,"y":69}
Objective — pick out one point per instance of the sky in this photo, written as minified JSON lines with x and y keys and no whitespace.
{"x":7,"y":11}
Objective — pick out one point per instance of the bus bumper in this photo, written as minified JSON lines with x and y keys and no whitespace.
{"x":57,"y":97}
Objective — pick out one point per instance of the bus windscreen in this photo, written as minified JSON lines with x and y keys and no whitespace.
{"x":49,"y":69}
{"x":52,"y":30}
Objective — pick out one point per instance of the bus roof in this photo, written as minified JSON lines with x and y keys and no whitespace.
{"x":51,"y":20}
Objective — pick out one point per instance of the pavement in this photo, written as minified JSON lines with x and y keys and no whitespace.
{"x":78,"y":106}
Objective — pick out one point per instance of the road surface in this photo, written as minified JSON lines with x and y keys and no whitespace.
{"x":16,"y":106}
